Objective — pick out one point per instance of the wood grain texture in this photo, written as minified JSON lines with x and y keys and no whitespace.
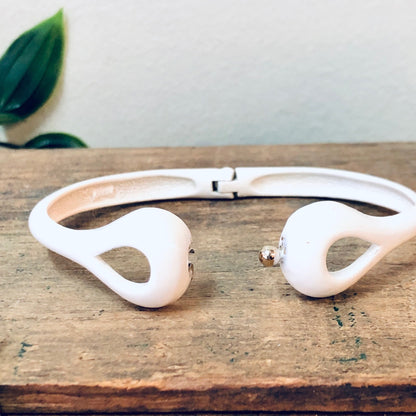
{"x":241,"y":339}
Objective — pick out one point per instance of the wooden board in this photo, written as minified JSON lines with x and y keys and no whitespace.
{"x":241,"y":339}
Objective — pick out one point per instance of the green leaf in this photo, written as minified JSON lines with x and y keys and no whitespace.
{"x":30,"y":68}
{"x":54,"y":141}
{"x":8,"y":118}
{"x":10,"y":145}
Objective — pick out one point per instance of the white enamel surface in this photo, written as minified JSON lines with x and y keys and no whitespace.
{"x":320,"y":183}
{"x":310,"y":232}
{"x":164,"y":239}
{"x":160,"y":235}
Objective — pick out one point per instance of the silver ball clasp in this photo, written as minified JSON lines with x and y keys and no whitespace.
{"x":269,"y":256}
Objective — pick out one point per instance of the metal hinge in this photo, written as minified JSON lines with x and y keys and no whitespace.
{"x":226,"y":186}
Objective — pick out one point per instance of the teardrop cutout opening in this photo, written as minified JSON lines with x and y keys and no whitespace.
{"x":130,"y":263}
{"x":344,"y":252}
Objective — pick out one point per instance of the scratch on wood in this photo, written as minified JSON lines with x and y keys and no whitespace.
{"x":23,"y":346}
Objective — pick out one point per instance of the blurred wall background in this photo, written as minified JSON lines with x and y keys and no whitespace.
{"x":209,"y":72}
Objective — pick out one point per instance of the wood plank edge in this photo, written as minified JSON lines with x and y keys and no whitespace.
{"x":52,"y":398}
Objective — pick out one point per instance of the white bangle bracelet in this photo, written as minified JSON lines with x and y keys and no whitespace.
{"x":165,"y":239}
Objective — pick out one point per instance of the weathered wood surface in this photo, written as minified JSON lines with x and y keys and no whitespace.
{"x":240,"y":339}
